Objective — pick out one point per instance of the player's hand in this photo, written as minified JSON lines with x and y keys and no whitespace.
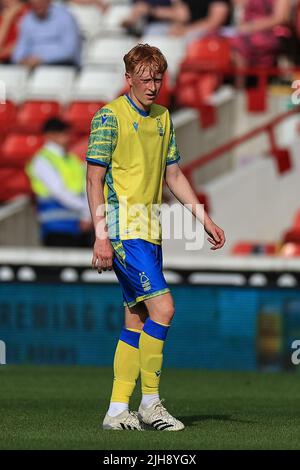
{"x":103,"y":254}
{"x":216,"y":235}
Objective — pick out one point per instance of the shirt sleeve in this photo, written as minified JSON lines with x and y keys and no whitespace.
{"x":103,"y":137}
{"x":173,"y":155}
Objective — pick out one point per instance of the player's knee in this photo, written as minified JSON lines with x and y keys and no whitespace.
{"x":167,"y":314}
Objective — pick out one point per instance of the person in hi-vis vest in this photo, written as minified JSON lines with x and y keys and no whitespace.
{"x":58,"y":182}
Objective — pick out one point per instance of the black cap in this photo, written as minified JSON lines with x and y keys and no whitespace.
{"x":55,"y":125}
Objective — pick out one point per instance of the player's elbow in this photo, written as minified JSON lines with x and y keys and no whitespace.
{"x":172,"y":176}
{"x":95,"y":175}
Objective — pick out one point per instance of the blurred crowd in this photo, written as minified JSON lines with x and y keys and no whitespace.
{"x":36,"y":32}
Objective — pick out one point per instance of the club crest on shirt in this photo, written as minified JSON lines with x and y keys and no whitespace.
{"x":160,"y":128}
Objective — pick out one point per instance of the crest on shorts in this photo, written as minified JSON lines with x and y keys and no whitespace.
{"x":145,"y":281}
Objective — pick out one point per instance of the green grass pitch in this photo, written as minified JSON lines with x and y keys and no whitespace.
{"x":63,"y":407}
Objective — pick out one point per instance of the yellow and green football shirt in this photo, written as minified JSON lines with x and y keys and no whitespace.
{"x":135,"y":146}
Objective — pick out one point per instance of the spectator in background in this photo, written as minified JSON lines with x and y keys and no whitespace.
{"x":58,"y":181}
{"x":11,"y":13}
{"x":203,"y":17}
{"x":154,"y":16}
{"x":103,"y":5}
{"x":258,"y":37}
{"x":48,"y":35}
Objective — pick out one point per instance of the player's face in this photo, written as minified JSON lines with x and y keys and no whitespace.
{"x":144,"y":87}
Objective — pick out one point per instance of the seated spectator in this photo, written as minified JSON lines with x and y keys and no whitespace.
{"x":101,"y":4}
{"x":11,"y":13}
{"x":259,"y":34}
{"x":203,"y":17}
{"x":154,"y":16}
{"x":48,"y":35}
{"x":58,"y":181}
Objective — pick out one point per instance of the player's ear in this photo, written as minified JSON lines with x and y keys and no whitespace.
{"x":128,"y":79}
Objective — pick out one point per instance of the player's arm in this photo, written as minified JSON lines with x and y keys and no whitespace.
{"x":102,"y":141}
{"x":103,"y":251}
{"x":182,"y":190}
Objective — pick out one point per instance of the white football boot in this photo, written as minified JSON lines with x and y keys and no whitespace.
{"x":125,"y":421}
{"x":159,"y":418}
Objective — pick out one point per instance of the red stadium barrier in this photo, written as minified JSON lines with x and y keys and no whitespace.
{"x":256,"y":96}
{"x":280,"y":155}
{"x":249,"y":248}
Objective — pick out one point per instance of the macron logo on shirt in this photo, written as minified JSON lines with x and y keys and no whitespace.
{"x":104,"y":118}
{"x":135,"y":125}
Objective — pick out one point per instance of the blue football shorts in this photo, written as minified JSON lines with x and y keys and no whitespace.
{"x":138,"y":267}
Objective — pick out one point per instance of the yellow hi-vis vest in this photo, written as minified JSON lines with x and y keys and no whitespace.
{"x":52,"y":215}
{"x":70,"y":169}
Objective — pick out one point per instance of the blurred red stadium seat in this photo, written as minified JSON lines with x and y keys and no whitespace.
{"x":80,"y":147}
{"x":8,"y":113}
{"x":13,"y":182}
{"x":211,"y":53}
{"x":32,"y":115}
{"x":79,"y":114}
{"x":186,"y":91}
{"x":17,"y":149}
{"x":201,"y":73}
{"x":193,"y":89}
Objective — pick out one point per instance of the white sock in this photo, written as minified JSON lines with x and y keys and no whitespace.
{"x":116,"y":408}
{"x":147,"y":399}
